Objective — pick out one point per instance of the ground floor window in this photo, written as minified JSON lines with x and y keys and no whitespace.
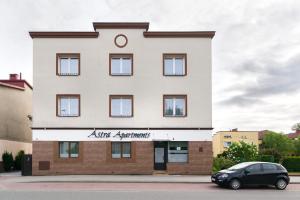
{"x":68,"y":149}
{"x":178,"y":152}
{"x":121,"y":149}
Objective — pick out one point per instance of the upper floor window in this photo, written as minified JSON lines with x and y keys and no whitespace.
{"x":175,"y":105}
{"x":174,"y":64}
{"x":121,"y":64}
{"x":68,"y":64}
{"x":68,"y":105}
{"x":68,"y":149}
{"x":227,"y":144}
{"x":121,"y":105}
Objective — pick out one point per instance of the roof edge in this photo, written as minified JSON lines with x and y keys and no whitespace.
{"x":179,"y":34}
{"x":60,"y":34}
{"x":11,"y":86}
{"x":121,"y":25}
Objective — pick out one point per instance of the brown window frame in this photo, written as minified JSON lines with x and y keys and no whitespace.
{"x":69,"y":146}
{"x":120,"y":55}
{"x":120,"y":97}
{"x":59,"y":55}
{"x":121,"y":153}
{"x":181,"y":55}
{"x":58,"y":96}
{"x":174,"y":96}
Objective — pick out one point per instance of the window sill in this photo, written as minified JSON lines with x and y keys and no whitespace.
{"x":68,"y":116}
{"x":180,"y":116}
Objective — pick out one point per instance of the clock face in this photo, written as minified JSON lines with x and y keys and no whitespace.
{"x":121,"y":40}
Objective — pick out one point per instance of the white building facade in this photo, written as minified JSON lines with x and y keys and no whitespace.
{"x":122,"y":100}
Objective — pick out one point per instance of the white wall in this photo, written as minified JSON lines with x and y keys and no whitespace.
{"x":147,"y":84}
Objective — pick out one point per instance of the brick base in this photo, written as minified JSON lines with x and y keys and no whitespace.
{"x":95,"y":158}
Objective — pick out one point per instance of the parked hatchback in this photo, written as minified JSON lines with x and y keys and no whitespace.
{"x":252,"y":173}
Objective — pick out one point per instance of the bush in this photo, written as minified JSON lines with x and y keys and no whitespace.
{"x":220,"y":163}
{"x":266,"y":158}
{"x":292,"y":164}
{"x":18,"y":160}
{"x":8,"y":161}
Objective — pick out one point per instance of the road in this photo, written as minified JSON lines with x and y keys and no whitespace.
{"x":138,"y":191}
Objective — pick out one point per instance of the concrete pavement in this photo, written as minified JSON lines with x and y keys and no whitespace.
{"x":17,"y":178}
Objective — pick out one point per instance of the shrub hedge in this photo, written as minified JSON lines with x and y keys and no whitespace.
{"x":292,"y":164}
{"x":18,"y":160}
{"x":8,"y":161}
{"x":266,"y":158}
{"x":220,"y":163}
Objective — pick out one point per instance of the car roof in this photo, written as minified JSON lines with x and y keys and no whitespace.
{"x":259,"y":162}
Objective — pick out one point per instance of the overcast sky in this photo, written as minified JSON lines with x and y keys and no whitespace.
{"x":256,"y":50}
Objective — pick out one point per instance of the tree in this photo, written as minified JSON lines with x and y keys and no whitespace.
{"x":241,"y":152}
{"x":297,"y":146}
{"x":296,"y":127}
{"x":278,"y":143}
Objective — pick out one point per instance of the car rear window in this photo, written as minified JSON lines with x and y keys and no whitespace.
{"x":269,"y":167}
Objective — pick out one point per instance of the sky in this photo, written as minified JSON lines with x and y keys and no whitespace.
{"x":255,"y":52}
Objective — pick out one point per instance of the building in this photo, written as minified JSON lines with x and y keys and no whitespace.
{"x":122,"y":100}
{"x":295,"y":135}
{"x":15,"y":116}
{"x":223,"y":139}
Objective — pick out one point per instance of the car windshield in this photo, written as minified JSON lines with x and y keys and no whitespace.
{"x":238,"y":166}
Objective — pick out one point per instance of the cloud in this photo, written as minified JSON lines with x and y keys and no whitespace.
{"x":269,"y":79}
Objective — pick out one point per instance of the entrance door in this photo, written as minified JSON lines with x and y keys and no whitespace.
{"x":160,"y":155}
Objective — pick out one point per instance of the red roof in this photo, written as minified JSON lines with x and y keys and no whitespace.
{"x":294,"y":135}
{"x":17,"y":84}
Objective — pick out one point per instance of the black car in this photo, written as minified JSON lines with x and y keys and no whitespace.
{"x":252,"y":173}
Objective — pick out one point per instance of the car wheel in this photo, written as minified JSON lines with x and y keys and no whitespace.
{"x":235,"y":184}
{"x":281,"y":184}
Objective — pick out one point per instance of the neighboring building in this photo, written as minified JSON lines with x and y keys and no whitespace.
{"x":15,"y":115}
{"x":223,"y":139}
{"x":294,"y":136}
{"x":122,"y":100}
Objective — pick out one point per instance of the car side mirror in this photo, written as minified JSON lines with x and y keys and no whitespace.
{"x":246,"y":171}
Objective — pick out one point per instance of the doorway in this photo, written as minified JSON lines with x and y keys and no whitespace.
{"x":160,"y":155}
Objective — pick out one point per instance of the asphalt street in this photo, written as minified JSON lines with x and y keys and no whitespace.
{"x":139,"y":191}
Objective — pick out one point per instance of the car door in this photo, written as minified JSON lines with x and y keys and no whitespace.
{"x":253,"y":175}
{"x":270,"y":173}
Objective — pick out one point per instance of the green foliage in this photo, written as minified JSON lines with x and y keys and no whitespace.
{"x":8,"y":161}
{"x":278,"y":143}
{"x":18,"y":160}
{"x":241,"y":152}
{"x":276,"y":154}
{"x":220,"y":163}
{"x":266,"y":158}
{"x":292,"y":164}
{"x":297,"y":146}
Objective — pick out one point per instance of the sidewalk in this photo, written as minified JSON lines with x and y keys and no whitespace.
{"x":17,"y":178}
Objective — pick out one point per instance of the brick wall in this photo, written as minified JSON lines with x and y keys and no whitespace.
{"x":200,"y":160}
{"x":96,"y":159}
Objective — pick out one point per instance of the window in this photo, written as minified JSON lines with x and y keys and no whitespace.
{"x":68,"y":149}
{"x":269,"y":167}
{"x":254,"y":168}
{"x":120,"y":149}
{"x":68,"y":105}
{"x":227,"y":136}
{"x":68,"y":64}
{"x":174,"y":64}
{"x":121,"y":64}
{"x":227,"y":144}
{"x":175,"y":105}
{"x":178,"y":152}
{"x":121,"y":105}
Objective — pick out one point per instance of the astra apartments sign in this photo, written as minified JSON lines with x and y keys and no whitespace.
{"x":120,"y":135}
